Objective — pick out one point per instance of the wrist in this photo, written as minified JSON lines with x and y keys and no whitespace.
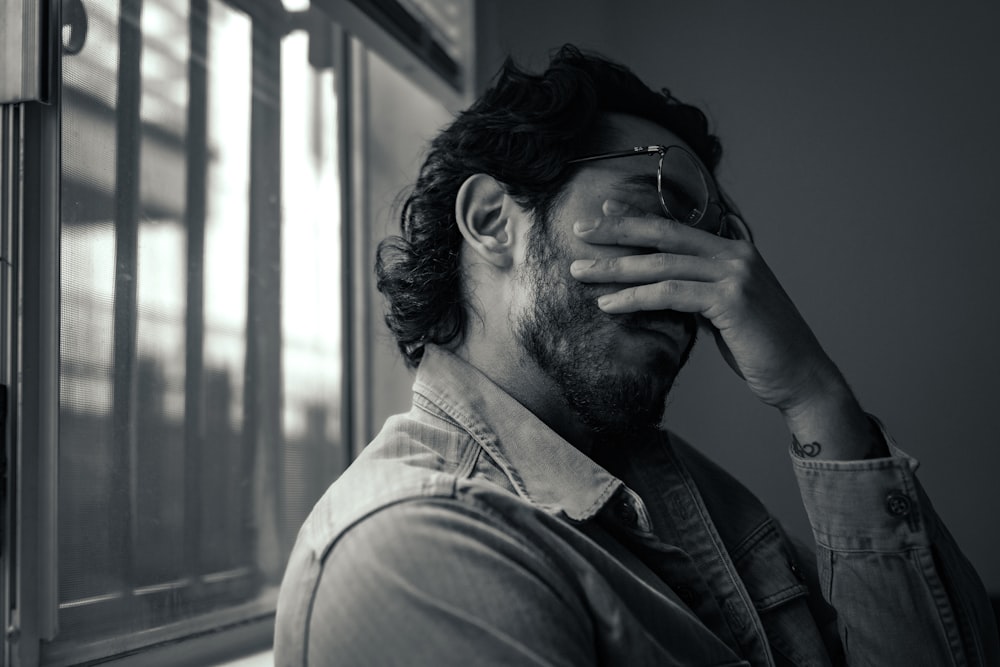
{"x":830,"y":424}
{"x":826,"y":390}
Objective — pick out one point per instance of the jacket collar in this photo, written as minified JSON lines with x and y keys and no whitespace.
{"x":546,"y":470}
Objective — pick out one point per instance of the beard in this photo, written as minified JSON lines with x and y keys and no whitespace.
{"x":575,"y":344}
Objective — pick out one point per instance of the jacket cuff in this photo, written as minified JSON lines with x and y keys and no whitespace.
{"x":869,"y":505}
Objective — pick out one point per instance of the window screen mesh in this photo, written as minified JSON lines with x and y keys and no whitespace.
{"x":200,"y":371}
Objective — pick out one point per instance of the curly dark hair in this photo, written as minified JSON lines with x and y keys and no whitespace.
{"x":521,"y":131}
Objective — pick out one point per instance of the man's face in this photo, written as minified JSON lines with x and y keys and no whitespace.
{"x":613,"y":370}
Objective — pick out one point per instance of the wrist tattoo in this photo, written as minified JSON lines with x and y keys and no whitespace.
{"x":809,"y":450}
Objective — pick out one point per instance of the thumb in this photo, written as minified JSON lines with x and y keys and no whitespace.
{"x":721,"y":344}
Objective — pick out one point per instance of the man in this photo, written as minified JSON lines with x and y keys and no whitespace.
{"x":564,"y":242}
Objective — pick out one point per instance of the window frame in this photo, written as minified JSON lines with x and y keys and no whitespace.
{"x":29,"y":563}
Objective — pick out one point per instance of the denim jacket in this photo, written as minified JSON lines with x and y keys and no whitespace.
{"x":469,"y":533}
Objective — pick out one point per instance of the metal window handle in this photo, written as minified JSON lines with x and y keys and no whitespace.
{"x":75,"y":17}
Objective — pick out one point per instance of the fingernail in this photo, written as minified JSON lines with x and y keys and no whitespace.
{"x":604,"y":301}
{"x":581,"y":265}
{"x":615,"y":207}
{"x":581,"y":226}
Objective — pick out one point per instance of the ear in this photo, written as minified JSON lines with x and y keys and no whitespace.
{"x":482,"y":210}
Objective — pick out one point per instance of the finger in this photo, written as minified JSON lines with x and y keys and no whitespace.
{"x":681,"y":295}
{"x":649,"y":232}
{"x":615,"y":207}
{"x":646,"y":269}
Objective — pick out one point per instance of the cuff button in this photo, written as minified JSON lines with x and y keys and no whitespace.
{"x":898,"y":504}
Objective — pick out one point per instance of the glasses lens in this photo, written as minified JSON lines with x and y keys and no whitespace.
{"x":683,"y":188}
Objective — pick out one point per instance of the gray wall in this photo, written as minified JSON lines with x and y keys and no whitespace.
{"x":862,"y":145}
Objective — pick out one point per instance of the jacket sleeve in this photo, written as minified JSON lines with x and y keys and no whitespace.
{"x":903,"y":591}
{"x":428,"y":583}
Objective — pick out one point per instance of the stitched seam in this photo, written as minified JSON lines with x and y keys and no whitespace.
{"x":500,"y":523}
{"x":755,"y":537}
{"x":464,"y":421}
{"x":469,"y":459}
{"x":945,"y":615}
{"x":785,"y":594}
{"x":863,"y":550}
{"x":307,"y":621}
{"x":729,"y":567}
{"x":450,"y":493}
{"x":602,"y":499}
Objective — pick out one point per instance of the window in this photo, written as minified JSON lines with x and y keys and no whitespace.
{"x":221,"y":179}
{"x":200,"y":364}
{"x":401,"y":119}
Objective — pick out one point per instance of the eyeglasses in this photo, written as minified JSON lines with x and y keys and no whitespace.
{"x":682,"y":184}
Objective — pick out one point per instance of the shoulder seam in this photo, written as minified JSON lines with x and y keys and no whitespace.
{"x":476,"y":509}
